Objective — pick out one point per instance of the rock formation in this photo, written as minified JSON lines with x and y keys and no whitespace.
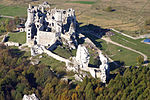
{"x":104,"y":68}
{"x":30,"y":97}
{"x":82,"y":57}
{"x":36,"y":49}
{"x":81,"y":61}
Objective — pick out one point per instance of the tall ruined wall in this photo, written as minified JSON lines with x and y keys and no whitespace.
{"x":46,"y":38}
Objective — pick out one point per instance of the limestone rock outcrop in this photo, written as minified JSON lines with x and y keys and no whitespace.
{"x":81,"y":61}
{"x":104,"y":68}
{"x":82,"y":56}
{"x":36,"y":50}
{"x":30,"y":97}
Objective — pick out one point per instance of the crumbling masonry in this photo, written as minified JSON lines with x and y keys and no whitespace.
{"x":47,"y":27}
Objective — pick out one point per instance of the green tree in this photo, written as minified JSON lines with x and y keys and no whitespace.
{"x":17,"y":20}
{"x":109,"y":9}
{"x":89,"y":92}
{"x":140,"y":60}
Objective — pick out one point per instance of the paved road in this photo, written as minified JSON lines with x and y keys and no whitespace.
{"x":115,"y":43}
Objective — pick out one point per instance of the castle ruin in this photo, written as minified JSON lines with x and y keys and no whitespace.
{"x":45,"y":26}
{"x":48,"y":27}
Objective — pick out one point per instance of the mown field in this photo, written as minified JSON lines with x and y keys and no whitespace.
{"x":116,"y":53}
{"x":134,"y":44}
{"x":19,"y":37}
{"x":119,"y":54}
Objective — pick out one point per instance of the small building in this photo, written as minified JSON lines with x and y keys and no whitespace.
{"x":20,"y":28}
{"x":147,"y":40}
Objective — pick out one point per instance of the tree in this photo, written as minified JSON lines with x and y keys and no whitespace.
{"x":109,"y":9}
{"x":74,"y":96}
{"x":89,"y":92}
{"x":140,"y":60}
{"x":17,"y":20}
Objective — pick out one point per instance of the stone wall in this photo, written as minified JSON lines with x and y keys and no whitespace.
{"x":46,"y":38}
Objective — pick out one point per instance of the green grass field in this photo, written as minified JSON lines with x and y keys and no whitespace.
{"x":12,"y":10}
{"x":63,"y":52}
{"x":118,"y":53}
{"x":53,"y":63}
{"x":134,"y":44}
{"x":82,"y":2}
{"x":18,"y":37}
{"x":115,"y":52}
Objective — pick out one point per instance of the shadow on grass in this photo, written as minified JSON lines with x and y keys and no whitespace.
{"x":116,"y":64}
{"x":92,"y":32}
{"x":16,"y":53}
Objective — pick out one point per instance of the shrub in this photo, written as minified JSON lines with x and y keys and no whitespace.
{"x":109,"y":9}
{"x":147,"y":22}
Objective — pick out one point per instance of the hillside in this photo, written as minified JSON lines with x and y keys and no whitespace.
{"x":19,"y":77}
{"x":61,"y":70}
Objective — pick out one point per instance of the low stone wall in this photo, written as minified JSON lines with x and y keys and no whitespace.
{"x":11,"y":44}
{"x":55,"y":56}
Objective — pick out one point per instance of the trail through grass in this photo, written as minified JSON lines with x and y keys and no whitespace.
{"x":134,"y":44}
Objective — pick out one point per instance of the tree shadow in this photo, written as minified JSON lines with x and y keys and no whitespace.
{"x":6,"y":39}
{"x":146,"y":62}
{"x":115,"y":64}
{"x":31,"y":80}
{"x":16,"y":53}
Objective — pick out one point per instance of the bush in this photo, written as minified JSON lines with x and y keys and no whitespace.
{"x":109,"y":9}
{"x":147,"y":22}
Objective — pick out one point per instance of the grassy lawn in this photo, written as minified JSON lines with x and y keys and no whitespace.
{"x":19,"y":37}
{"x":134,"y":44}
{"x":55,"y":64}
{"x":94,"y":59}
{"x":63,"y":52}
{"x":12,"y":10}
{"x":115,"y":52}
{"x":118,"y":53}
{"x":82,"y":2}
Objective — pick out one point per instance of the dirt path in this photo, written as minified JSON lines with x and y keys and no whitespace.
{"x":11,"y":17}
{"x":138,"y":37}
{"x":115,"y":43}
